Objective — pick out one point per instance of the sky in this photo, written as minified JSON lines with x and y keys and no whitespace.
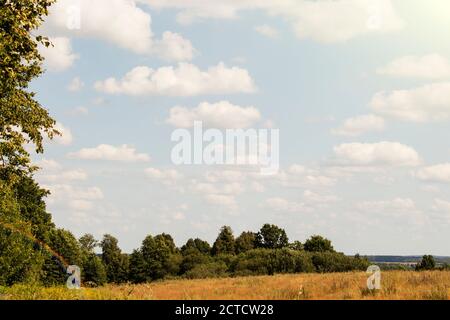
{"x":358,"y":89}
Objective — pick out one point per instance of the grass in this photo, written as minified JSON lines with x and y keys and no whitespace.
{"x":396,"y":285}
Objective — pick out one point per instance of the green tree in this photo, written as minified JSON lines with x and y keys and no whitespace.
{"x":197,"y":244}
{"x":22,"y":119}
{"x":20,"y":261}
{"x":94,"y":271}
{"x":116,"y":263}
{"x":65,"y":251}
{"x":88,"y":243}
{"x":224,"y":243}
{"x":245,"y":242}
{"x":271,"y":237}
{"x":427,"y":263}
{"x":296,"y":245}
{"x":160,"y":257}
{"x":318,"y":244}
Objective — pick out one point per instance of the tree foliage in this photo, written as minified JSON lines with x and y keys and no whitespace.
{"x":271,"y":237}
{"x":224,"y":243}
{"x":22,"y":119}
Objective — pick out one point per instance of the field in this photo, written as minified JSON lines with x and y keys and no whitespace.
{"x":395,"y":285}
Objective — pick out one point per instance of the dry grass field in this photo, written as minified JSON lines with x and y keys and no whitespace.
{"x":396,"y":285}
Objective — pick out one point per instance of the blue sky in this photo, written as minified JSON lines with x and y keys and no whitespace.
{"x":357,"y":88}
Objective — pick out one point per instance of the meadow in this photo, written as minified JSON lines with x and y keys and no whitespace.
{"x":396,"y":285}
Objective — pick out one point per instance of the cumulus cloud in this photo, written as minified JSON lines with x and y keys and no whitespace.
{"x":169,"y":177}
{"x":397,"y":205}
{"x":436,"y":173}
{"x":267,"y":31}
{"x":326,"y":21}
{"x":184,"y":80}
{"x":59,"y":56}
{"x":120,"y":22}
{"x":357,"y":126}
{"x":429,"y":103}
{"x":222,"y":115}
{"x":222,"y":200}
{"x":376,"y":154}
{"x":65,"y":176}
{"x":75,"y":85}
{"x":66,"y":137}
{"x":432,"y":66}
{"x":283,"y":205}
{"x":107,"y":152}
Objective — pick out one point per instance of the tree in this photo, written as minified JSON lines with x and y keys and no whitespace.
{"x":318,"y":244}
{"x":115,"y":262}
{"x":197,"y":244}
{"x":224,"y":243}
{"x":22,"y":119}
{"x":88,"y":243}
{"x":427,"y":263}
{"x":159,"y":256}
{"x":94,"y":271}
{"x":245,"y":242}
{"x":296,"y":245}
{"x":19,"y":259}
{"x":271,"y":237}
{"x":65,"y":251}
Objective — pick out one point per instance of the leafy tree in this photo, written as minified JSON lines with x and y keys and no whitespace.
{"x":94,"y":271}
{"x":427,"y":263}
{"x":296,"y":245}
{"x":245,"y":242}
{"x":160,"y":257}
{"x":88,"y":243}
{"x":197,"y":244}
{"x":19,"y":259}
{"x":138,"y":271}
{"x":115,"y":262}
{"x":318,"y":244}
{"x":224,"y":243}
{"x":22,"y":119}
{"x":65,"y":251}
{"x":271,"y":237}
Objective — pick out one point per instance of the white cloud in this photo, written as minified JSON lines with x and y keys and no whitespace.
{"x":120,"y":22}
{"x":429,"y":103}
{"x":185,"y":80}
{"x":313,"y":197}
{"x":79,"y":111}
{"x":376,"y":154}
{"x":58,"y":56}
{"x":222,"y":200}
{"x":122,"y":153}
{"x":267,"y":31}
{"x":81,"y":205}
{"x":359,"y":125}
{"x":168,"y":177}
{"x":65,"y":176}
{"x":48,"y":164}
{"x":222,"y":115}
{"x":66,"y":137}
{"x":61,"y":192}
{"x":75,"y":85}
{"x":432,"y":66}
{"x":326,"y":21}
{"x":173,"y":47}
{"x":283,"y":205}
{"x":443,"y":207}
{"x":398,"y":205}
{"x":437,"y":173}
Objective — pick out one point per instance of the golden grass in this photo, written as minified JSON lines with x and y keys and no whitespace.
{"x":396,"y":285}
